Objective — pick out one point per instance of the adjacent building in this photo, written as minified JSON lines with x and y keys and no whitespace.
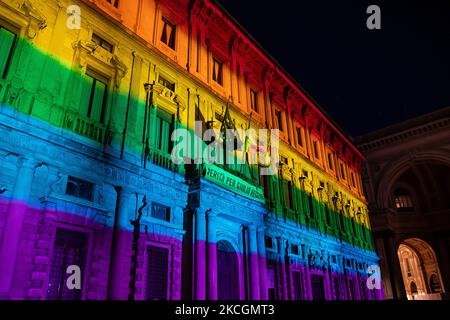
{"x":91,"y":92}
{"x":407,"y":178}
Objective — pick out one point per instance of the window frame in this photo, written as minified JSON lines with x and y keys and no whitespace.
{"x":13,"y":50}
{"x":114,"y":3}
{"x":98,"y":77}
{"x":167,"y":208}
{"x":92,"y":191}
{"x":165,"y":79}
{"x":219,"y":78}
{"x":101,"y":41}
{"x":253,"y":99}
{"x":86,"y":274}
{"x":169,"y":249}
{"x":171,"y":40}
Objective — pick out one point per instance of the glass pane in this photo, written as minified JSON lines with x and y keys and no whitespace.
{"x":6,"y":45}
{"x":98,"y":100}
{"x":157,"y":133}
{"x":165,"y":128}
{"x":86,"y":90}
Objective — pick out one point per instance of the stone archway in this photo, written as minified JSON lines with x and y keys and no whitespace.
{"x":420,"y":269}
{"x":227,"y":272}
{"x":397,"y":167}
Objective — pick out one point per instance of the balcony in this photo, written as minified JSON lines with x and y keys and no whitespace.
{"x":85,"y":127}
{"x":162,"y":159}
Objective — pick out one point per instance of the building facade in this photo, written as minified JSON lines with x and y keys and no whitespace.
{"x":91,"y":92}
{"x":407,"y":178}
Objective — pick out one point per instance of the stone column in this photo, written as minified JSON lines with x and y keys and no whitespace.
{"x":254,"y":263}
{"x":200,"y":255}
{"x":14,"y":222}
{"x":119,"y":276}
{"x":262,"y":264}
{"x":212,"y":256}
{"x":398,"y":287}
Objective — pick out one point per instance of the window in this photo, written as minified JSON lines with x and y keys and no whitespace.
{"x":163,"y":132}
{"x":413,"y":288}
{"x":166,"y":83}
{"x":298,"y":285}
{"x":300,"y":137}
{"x":217,"y":75}
{"x":160,"y":212}
{"x":343,"y":176}
{"x":288,"y":194}
{"x":199,"y":50}
{"x":238,"y":71}
{"x":70,"y":248}
{"x":284,"y":160}
{"x":435,"y":285}
{"x":352,"y":176}
{"x":93,"y":98}
{"x":279,"y":120}
{"x":294,"y":249}
{"x":79,"y":188}
{"x":271,"y":281}
{"x":304,"y":174}
{"x":337,"y":291}
{"x":330,"y":161}
{"x":102,"y":43}
{"x":168,"y":34}
{"x":328,"y":215}
{"x":254,"y":100}
{"x":316,"y":150}
{"x":115,"y":3}
{"x":318,"y":288}
{"x":7,"y":43}
{"x":269,"y":243}
{"x":352,"y":289}
{"x":408,"y":267}
{"x":157,"y":273}
{"x":403,"y":200}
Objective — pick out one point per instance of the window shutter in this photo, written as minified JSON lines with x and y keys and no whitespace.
{"x":98,"y":101}
{"x":86,"y":92}
{"x":6,"y":47}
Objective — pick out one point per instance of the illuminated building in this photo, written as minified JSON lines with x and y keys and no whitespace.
{"x":87,"y":177}
{"x":407,"y":178}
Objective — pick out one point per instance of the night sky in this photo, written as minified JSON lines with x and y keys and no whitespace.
{"x":365,"y":79}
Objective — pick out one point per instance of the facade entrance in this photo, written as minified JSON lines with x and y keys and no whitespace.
{"x":420,"y":270}
{"x":227,"y":272}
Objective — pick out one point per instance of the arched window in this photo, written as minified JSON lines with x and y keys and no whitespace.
{"x":434,"y":284}
{"x":413,"y":288}
{"x":403,"y":201}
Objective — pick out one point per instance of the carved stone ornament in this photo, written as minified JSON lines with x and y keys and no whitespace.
{"x":36,"y":21}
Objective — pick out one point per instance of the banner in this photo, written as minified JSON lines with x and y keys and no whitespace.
{"x":233,"y":183}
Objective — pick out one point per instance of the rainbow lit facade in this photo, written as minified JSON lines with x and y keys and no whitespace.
{"x":86,"y":176}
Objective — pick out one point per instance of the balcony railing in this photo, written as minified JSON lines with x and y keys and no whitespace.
{"x":162,"y":159}
{"x":86,"y":127}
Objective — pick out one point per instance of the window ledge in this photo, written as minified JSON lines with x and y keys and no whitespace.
{"x":167,"y":224}
{"x":74,"y":200}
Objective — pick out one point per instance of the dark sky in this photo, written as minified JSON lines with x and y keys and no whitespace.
{"x":365,"y":79}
